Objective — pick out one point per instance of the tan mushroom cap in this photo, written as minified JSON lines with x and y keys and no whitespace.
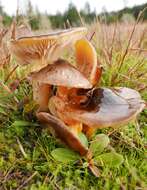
{"x":61,"y":73}
{"x":63,"y":132}
{"x":106,"y":107}
{"x":32,"y":49}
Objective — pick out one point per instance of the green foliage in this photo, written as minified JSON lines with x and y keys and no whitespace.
{"x":33,"y":16}
{"x":64,"y":155}
{"x":22,"y":124}
{"x":83,"y":139}
{"x":7,"y":20}
{"x":98,"y":145}
{"x":57,"y":21}
{"x":71,"y":14}
{"x":111,"y":159}
{"x":34,"y":22}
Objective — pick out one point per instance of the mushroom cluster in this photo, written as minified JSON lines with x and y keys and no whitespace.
{"x":69,"y":101}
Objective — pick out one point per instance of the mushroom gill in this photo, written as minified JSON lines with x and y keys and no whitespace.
{"x":43,"y":49}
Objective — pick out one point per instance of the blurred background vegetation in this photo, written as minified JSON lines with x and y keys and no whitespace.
{"x":70,"y":17}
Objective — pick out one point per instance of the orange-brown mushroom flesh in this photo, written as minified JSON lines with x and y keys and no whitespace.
{"x":87,"y":62}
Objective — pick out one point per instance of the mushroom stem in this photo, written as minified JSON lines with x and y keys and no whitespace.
{"x":89,"y":131}
{"x":76,"y":128}
{"x":41,"y":94}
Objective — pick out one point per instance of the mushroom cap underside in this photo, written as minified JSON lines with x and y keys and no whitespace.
{"x":61,"y":73}
{"x":63,"y":132}
{"x":44,"y":47}
{"x":106,"y":107}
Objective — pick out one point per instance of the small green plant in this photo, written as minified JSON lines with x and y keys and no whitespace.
{"x":97,"y":148}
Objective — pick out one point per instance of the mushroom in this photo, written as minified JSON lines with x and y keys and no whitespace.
{"x":104,"y":108}
{"x":41,"y":50}
{"x":77,"y":105}
{"x":97,"y":107}
{"x":61,"y":73}
{"x":63,"y":132}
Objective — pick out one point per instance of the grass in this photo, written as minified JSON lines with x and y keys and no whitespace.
{"x":25,"y":148}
